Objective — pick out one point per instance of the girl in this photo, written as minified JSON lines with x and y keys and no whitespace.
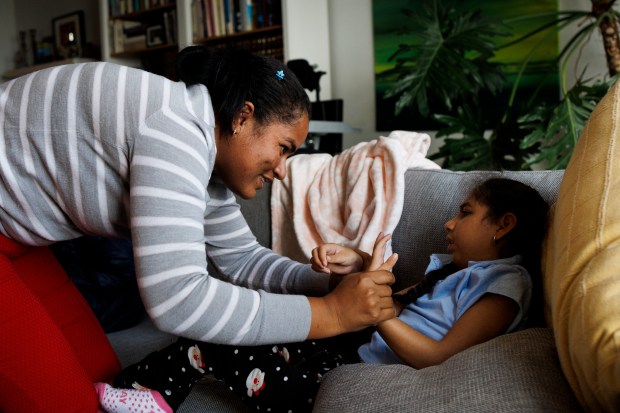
{"x":480,"y":290}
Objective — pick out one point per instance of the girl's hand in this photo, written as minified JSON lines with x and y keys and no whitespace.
{"x":334,"y":258}
{"x":375,"y":261}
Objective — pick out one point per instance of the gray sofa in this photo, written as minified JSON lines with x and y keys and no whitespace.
{"x":517,"y":372}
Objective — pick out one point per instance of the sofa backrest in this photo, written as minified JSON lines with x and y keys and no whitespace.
{"x":431,"y":198}
{"x":257,"y":212}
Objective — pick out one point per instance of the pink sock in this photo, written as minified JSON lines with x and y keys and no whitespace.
{"x":113,"y":400}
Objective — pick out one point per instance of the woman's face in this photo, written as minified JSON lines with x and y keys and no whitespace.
{"x":255,"y":155}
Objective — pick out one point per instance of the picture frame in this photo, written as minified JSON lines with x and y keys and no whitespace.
{"x":69,"y":34}
{"x":155,"y":35}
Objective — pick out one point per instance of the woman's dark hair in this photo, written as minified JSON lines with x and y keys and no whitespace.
{"x":502,"y":196}
{"x":234,"y":76}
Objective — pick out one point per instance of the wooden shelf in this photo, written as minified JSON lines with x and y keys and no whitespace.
{"x":142,"y":50}
{"x":265,"y":41}
{"x":265,"y":31}
{"x":20,"y":71}
{"x":144,"y":14}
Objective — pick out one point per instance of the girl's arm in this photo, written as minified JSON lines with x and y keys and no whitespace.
{"x":486,"y":319}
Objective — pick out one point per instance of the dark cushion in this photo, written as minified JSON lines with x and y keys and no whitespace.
{"x":103,"y":270}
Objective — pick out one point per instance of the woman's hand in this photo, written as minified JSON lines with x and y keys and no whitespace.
{"x":337,"y":259}
{"x":360,"y":300}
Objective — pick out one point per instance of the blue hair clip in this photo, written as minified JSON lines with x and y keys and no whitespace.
{"x":280,"y":74}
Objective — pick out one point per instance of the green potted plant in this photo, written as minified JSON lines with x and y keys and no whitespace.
{"x":449,"y":61}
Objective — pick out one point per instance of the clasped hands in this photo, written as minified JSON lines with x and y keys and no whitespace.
{"x":361,"y":294}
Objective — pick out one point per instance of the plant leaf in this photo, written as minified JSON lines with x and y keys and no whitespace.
{"x":447,"y":57}
{"x":555,"y":130}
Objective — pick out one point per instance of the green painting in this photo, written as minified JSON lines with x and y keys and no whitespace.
{"x":390,"y":27}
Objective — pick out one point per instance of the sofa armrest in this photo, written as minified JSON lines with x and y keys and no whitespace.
{"x":514,"y":372}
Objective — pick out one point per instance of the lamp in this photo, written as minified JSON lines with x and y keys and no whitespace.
{"x":326,"y":115}
{"x":308,"y":77}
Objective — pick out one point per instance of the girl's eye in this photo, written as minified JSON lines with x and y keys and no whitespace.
{"x":283,"y":149}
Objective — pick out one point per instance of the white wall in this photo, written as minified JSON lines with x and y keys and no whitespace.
{"x":352,"y":68}
{"x":307,"y":35}
{"x":592,"y":58}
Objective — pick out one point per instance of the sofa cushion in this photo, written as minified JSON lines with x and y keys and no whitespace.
{"x":257,"y":213}
{"x":583,"y":259}
{"x":513,"y":372}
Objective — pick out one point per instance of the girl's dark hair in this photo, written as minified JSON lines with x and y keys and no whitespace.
{"x":501,"y":196}
{"x":234,"y":76}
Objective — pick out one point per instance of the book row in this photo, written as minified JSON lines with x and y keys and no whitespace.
{"x":121,"y":7}
{"x":213,"y":18}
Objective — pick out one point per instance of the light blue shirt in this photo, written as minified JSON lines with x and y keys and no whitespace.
{"x":434,"y":313}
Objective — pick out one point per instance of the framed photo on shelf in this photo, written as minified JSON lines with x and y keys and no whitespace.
{"x":155,"y":35}
{"x":69,"y":34}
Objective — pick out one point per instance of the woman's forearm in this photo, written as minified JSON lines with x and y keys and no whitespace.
{"x":324,"y":322}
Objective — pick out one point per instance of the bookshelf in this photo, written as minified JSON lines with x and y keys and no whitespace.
{"x":149,"y":33}
{"x":140,"y":33}
{"x":255,"y":25}
{"x":266,"y":41}
{"x":143,"y":29}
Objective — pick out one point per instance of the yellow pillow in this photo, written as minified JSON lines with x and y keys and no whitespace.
{"x":582,"y":262}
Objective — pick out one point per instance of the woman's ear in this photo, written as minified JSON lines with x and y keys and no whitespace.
{"x":245,"y":113}
{"x":247,"y":109}
{"x":505,"y":223}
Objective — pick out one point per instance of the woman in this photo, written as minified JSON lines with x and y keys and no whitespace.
{"x":112,"y":151}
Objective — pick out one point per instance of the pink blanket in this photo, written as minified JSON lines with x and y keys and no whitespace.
{"x":346,"y":199}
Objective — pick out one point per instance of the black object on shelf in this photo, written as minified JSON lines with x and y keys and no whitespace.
{"x":308,"y":77}
{"x":330,"y":110}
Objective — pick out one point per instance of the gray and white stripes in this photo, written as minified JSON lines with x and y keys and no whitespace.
{"x":108,"y":150}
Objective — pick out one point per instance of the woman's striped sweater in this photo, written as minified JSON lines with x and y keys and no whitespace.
{"x":108,"y":150}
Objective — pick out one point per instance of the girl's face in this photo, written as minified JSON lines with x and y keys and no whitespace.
{"x":470,"y":234}
{"x":255,"y":155}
